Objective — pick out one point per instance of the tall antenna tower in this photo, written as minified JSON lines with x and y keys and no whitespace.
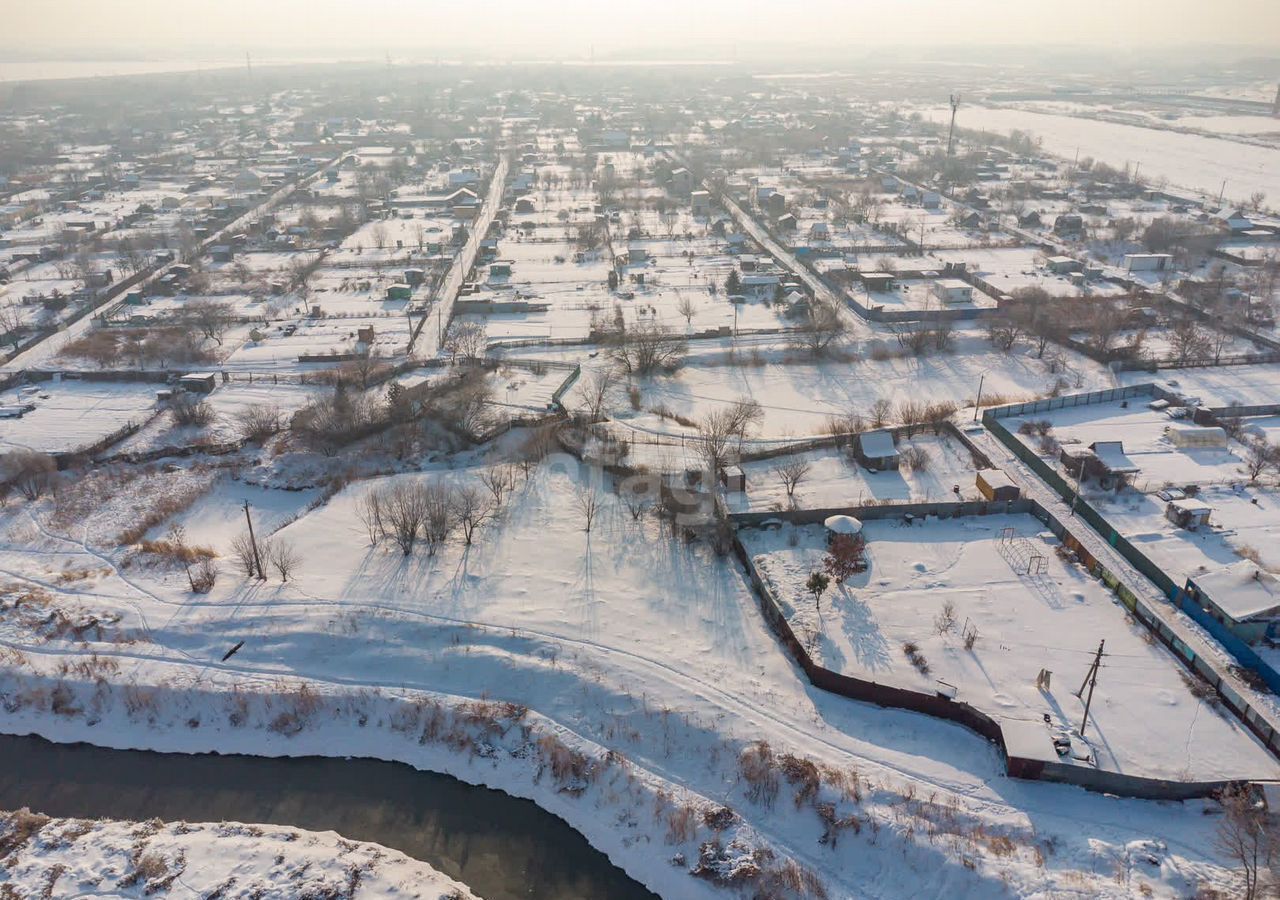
{"x":248,"y":64}
{"x":951,"y":130}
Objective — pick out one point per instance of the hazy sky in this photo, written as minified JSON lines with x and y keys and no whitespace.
{"x":545,"y":28}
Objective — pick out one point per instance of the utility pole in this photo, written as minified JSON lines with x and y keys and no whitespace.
{"x":951,"y":131}
{"x":257,"y":558}
{"x":1090,"y":679}
{"x":977,"y":404}
{"x":1222,"y":192}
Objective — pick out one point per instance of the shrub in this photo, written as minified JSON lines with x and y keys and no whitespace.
{"x":204,"y":576}
{"x":260,"y":421}
{"x":188,"y":409}
{"x":916,"y":658}
{"x":801,"y":774}
{"x":917,"y":458}
{"x":32,"y":473}
{"x":759,"y":769}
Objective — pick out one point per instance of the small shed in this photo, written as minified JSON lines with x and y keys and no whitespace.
{"x":877,"y":451}
{"x":877,"y":282}
{"x":1198,"y":437}
{"x":1188,"y":513}
{"x":953,"y":290}
{"x":733,"y":479}
{"x":994,"y":484}
{"x":399,"y":291}
{"x":199,"y":382}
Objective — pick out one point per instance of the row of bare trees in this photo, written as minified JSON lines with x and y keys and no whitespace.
{"x":431,"y":511}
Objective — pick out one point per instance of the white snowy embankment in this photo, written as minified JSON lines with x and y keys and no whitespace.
{"x":84,"y":858}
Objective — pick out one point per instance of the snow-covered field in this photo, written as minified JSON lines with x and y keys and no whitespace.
{"x":1220,"y":386}
{"x":1187,"y":160}
{"x":1025,"y":620}
{"x":83,"y":858}
{"x":71,"y":414}
{"x":799,"y":395}
{"x":834,"y":479}
{"x":644,"y":655}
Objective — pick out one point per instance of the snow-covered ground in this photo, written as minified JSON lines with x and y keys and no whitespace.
{"x":1030,"y":610}
{"x":644,"y":655}
{"x":1217,"y":386}
{"x":1186,"y":160}
{"x":83,"y":858}
{"x":833,"y":479}
{"x":799,"y":395}
{"x":71,"y":414}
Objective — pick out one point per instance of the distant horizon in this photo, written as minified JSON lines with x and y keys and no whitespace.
{"x":573,"y":29}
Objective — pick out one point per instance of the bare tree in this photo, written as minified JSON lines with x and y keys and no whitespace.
{"x":246,"y":554}
{"x":587,"y":500}
{"x":369,"y":511}
{"x":466,"y":341}
{"x":1188,"y":341}
{"x":598,"y":391}
{"x":11,"y":324}
{"x":1260,"y":456}
{"x":1245,"y":835}
{"x":211,"y":318}
{"x":404,"y":511}
{"x":1103,"y":322}
{"x":645,"y":348}
{"x":30,"y":471}
{"x":715,"y":439}
{"x":823,"y":326}
{"x":881,"y":411}
{"x":1003,"y":331}
{"x":498,"y":480}
{"x":637,"y":495}
{"x":284,"y":558}
{"x":686,"y":307}
{"x":440,"y":502}
{"x":472,"y":507}
{"x":791,"y":473}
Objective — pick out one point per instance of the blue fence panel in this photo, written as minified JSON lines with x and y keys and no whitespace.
{"x":1234,"y":645}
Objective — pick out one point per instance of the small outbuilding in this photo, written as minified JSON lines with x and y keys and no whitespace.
{"x":199,"y":382}
{"x":876,"y":282}
{"x":994,"y":484}
{"x":953,"y":291}
{"x":733,"y":479}
{"x":1188,"y":513}
{"x":876,"y":450}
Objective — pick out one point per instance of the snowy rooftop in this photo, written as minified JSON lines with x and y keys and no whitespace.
{"x":1242,"y":590}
